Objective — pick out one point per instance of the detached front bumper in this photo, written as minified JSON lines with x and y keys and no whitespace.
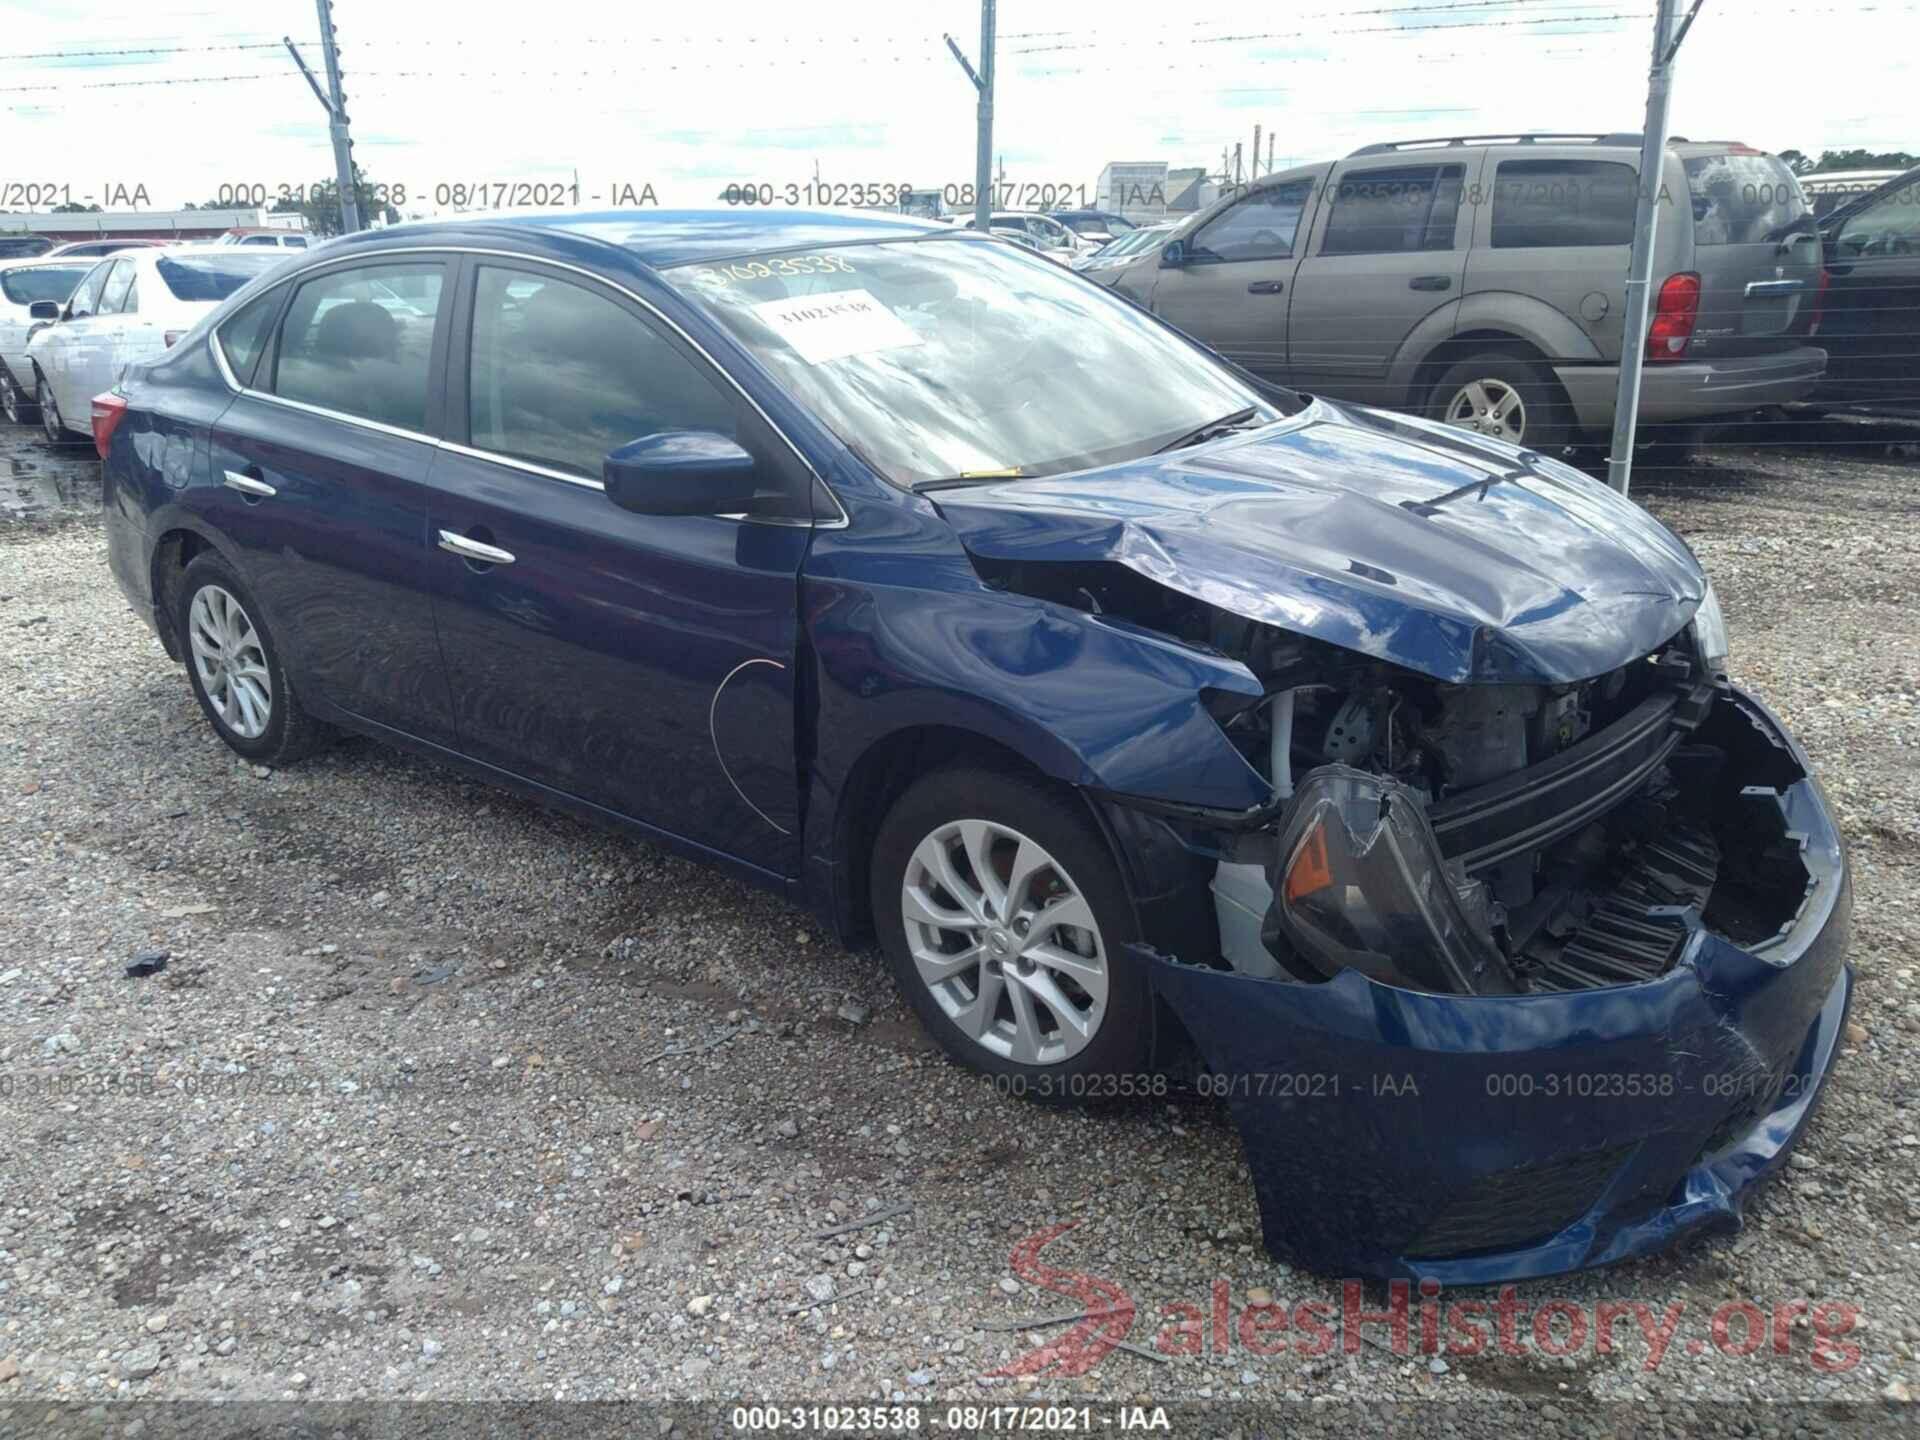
{"x":1479,"y":1139}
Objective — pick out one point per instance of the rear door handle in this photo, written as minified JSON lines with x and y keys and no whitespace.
{"x":473,"y":550}
{"x":1266,"y":287}
{"x":249,"y":485}
{"x":1430,"y":282}
{"x":1775,"y":287}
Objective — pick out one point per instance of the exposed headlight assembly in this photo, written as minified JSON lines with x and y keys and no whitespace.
{"x":1361,"y":884}
{"x":1710,"y":633}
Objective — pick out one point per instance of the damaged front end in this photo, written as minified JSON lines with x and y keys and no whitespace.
{"x":1511,"y":979}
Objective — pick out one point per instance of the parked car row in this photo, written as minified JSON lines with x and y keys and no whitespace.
{"x":29,"y":247}
{"x":68,"y":330}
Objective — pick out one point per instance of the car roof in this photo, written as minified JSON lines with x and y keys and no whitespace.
{"x":21,"y":262}
{"x":661,"y":238}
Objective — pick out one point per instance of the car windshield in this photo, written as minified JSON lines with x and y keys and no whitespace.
{"x":42,"y":282}
{"x":949,"y":357}
{"x":212,"y":277}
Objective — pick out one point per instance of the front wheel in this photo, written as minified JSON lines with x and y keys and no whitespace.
{"x":50,"y":421}
{"x":1005,"y":921}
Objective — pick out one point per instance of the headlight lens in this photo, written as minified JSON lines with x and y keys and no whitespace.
{"x":1710,"y":633}
{"x":1362,"y":885}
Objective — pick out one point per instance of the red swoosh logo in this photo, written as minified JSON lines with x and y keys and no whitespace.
{"x":1109,"y":1312}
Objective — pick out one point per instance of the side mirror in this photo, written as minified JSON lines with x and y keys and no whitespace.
{"x":1174,"y":255}
{"x":44,"y":310}
{"x":681,"y":472}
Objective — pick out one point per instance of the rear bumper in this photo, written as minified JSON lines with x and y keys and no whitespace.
{"x":1695,"y":390}
{"x":1480,"y":1139}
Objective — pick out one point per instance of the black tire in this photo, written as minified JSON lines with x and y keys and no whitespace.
{"x":290,"y":733}
{"x":1119,"y":1048}
{"x":1549,"y":423}
{"x":14,"y":403}
{"x":51,"y":422}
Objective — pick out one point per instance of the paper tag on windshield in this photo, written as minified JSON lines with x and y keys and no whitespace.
{"x":835,"y":325}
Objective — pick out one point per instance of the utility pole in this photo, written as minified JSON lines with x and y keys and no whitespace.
{"x":1236,"y":163}
{"x":982,"y":83}
{"x":334,"y":100}
{"x":1253,"y":172}
{"x":1646,"y":217}
{"x":1270,"y":135}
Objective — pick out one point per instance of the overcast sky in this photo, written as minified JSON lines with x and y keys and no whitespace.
{"x":688,"y":98}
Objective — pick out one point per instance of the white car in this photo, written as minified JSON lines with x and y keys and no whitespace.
{"x":1046,"y":234}
{"x":22,"y":282}
{"x":129,"y":307}
{"x":266,"y":239}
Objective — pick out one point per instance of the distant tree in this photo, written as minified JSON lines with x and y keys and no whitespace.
{"x":72,"y":209}
{"x":1798,"y":162}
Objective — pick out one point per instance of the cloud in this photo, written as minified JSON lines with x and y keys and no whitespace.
{"x":443,"y":93}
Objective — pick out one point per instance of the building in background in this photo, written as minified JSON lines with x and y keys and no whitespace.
{"x":189,"y":225}
{"x":1190,"y":188}
{"x":1136,"y":189}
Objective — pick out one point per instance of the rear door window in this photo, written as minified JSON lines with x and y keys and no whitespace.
{"x":1398,"y":211}
{"x":1547,"y":204}
{"x":360,"y":341}
{"x":1260,"y":226}
{"x":561,"y":375}
{"x":1744,"y":198}
{"x":243,"y":338}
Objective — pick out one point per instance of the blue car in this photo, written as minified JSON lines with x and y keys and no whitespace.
{"x":1379,"y":777}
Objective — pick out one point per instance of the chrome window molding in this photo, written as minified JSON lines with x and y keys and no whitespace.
{"x":839,"y":522}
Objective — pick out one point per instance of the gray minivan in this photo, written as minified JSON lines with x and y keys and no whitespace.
{"x":1481,"y":280}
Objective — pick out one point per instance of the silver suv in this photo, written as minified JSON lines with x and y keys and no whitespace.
{"x":1481,"y":280}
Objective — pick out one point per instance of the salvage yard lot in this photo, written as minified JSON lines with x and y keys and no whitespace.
{"x":444,"y":1095}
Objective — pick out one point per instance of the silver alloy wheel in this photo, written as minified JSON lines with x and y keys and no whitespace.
{"x":12,"y":401}
{"x":1005,"y":941}
{"x":230,"y":661}
{"x":49,"y":413}
{"x":1490,"y":407}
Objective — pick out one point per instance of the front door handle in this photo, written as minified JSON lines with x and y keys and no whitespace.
{"x":1266,"y":287}
{"x":1430,"y":282}
{"x":250,"y":485}
{"x":473,"y":549}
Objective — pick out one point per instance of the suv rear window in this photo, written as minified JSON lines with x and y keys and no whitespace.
{"x":42,"y":282}
{"x":211,"y":277}
{"x":1394,"y":212}
{"x":1556,"y":203}
{"x":1744,"y":199}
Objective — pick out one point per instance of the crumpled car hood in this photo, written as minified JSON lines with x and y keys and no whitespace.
{"x":1464,"y":559}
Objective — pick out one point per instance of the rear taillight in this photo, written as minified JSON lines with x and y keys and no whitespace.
{"x":1674,"y":315}
{"x":173,"y":337}
{"x":108,"y":410}
{"x":1819,"y":306}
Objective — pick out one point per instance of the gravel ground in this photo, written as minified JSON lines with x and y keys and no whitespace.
{"x":442,"y":1095}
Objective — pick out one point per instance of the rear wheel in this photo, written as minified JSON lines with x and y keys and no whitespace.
{"x":235,"y":668}
{"x":14,"y":403}
{"x":1005,"y":920}
{"x":1505,"y":396}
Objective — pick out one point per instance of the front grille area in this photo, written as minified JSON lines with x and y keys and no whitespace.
{"x":1518,"y":1207}
{"x":1619,"y":938}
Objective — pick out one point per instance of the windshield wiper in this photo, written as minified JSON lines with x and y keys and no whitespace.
{"x":970,"y":477}
{"x":1212,"y":430}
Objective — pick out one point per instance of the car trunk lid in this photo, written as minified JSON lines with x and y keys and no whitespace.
{"x":1756,"y":251}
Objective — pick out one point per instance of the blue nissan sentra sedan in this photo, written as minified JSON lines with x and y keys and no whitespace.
{"x":1382,"y":778}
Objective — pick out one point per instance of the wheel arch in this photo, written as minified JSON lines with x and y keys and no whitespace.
{"x":1488,"y":320}
{"x":178,"y":542}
